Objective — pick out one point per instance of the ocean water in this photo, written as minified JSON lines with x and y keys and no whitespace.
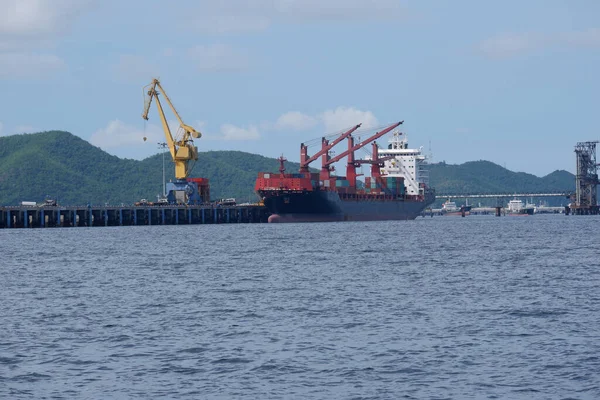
{"x":437,"y":308}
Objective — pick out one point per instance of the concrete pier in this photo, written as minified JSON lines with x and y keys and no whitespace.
{"x":63,"y":217}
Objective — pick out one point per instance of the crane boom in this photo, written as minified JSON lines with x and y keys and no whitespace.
{"x":362,"y":144}
{"x":379,"y":160}
{"x":182,"y":149}
{"x":326,"y":148}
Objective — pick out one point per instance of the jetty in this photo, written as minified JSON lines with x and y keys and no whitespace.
{"x":27,"y":216}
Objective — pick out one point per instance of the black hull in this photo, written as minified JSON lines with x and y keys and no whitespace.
{"x":326,"y":206}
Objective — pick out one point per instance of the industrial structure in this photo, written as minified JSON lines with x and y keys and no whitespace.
{"x":586,"y":180}
{"x":585,"y":199}
{"x":184,"y":190}
{"x":55,"y":216}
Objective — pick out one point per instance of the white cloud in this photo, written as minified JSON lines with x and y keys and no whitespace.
{"x":513,"y":44}
{"x":26,"y":65}
{"x":118,"y":134}
{"x":123,"y":140}
{"x":236,"y":16}
{"x":36,"y":22}
{"x":329,"y":121}
{"x":131,"y":67}
{"x":295,"y":120}
{"x":26,"y":26}
{"x":232,"y":132}
{"x":345,"y":117}
{"x":218,"y":57}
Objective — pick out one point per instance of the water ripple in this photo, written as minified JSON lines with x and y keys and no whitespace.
{"x":431,"y":308}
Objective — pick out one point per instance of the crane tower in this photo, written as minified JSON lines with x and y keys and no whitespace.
{"x":586,"y":180}
{"x":184,"y":190}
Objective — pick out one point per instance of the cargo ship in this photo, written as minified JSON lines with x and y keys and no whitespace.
{"x":396,"y":190}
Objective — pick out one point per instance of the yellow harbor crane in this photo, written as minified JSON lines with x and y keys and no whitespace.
{"x":181,"y":147}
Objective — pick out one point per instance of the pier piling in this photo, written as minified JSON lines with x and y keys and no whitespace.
{"x":105,"y":216}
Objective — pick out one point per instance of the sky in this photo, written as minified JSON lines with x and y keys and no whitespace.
{"x":513,"y":82}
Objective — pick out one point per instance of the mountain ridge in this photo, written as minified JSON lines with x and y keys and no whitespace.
{"x":65,"y":166}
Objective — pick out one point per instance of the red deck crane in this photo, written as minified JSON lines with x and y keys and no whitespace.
{"x":376,"y":164}
{"x":325,"y":147}
{"x":326,"y":167}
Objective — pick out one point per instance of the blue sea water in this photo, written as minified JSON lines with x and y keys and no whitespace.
{"x":436,"y":308}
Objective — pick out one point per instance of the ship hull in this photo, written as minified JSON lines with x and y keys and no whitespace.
{"x":456,"y":213}
{"x":463,"y":211}
{"x":521,"y":213}
{"x":327,"y":206}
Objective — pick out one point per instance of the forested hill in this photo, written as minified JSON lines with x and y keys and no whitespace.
{"x":65,"y":166}
{"x":477,"y":177}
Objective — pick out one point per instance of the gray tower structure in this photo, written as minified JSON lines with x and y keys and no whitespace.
{"x":586,"y":180}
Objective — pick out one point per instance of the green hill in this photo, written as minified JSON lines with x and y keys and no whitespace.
{"x":67,"y":167}
{"x":478,"y":177}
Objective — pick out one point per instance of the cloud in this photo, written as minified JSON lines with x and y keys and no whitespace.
{"x":329,"y":121}
{"x":229,"y":132}
{"x":345,"y":117}
{"x":117,"y":134}
{"x":295,"y":120}
{"x":513,"y":44}
{"x":238,"y":16}
{"x":36,"y":22}
{"x":131,"y":67}
{"x":29,"y":65}
{"x":232,"y":132}
{"x":123,"y":140}
{"x":217,"y":58}
{"x":26,"y":27}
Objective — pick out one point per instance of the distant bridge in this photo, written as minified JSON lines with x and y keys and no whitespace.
{"x":500,"y":195}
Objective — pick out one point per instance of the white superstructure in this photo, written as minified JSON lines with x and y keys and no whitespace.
{"x":449,"y":206}
{"x":515,"y":205}
{"x":407,"y":163}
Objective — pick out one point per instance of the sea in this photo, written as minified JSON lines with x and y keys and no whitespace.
{"x":480,"y":307}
